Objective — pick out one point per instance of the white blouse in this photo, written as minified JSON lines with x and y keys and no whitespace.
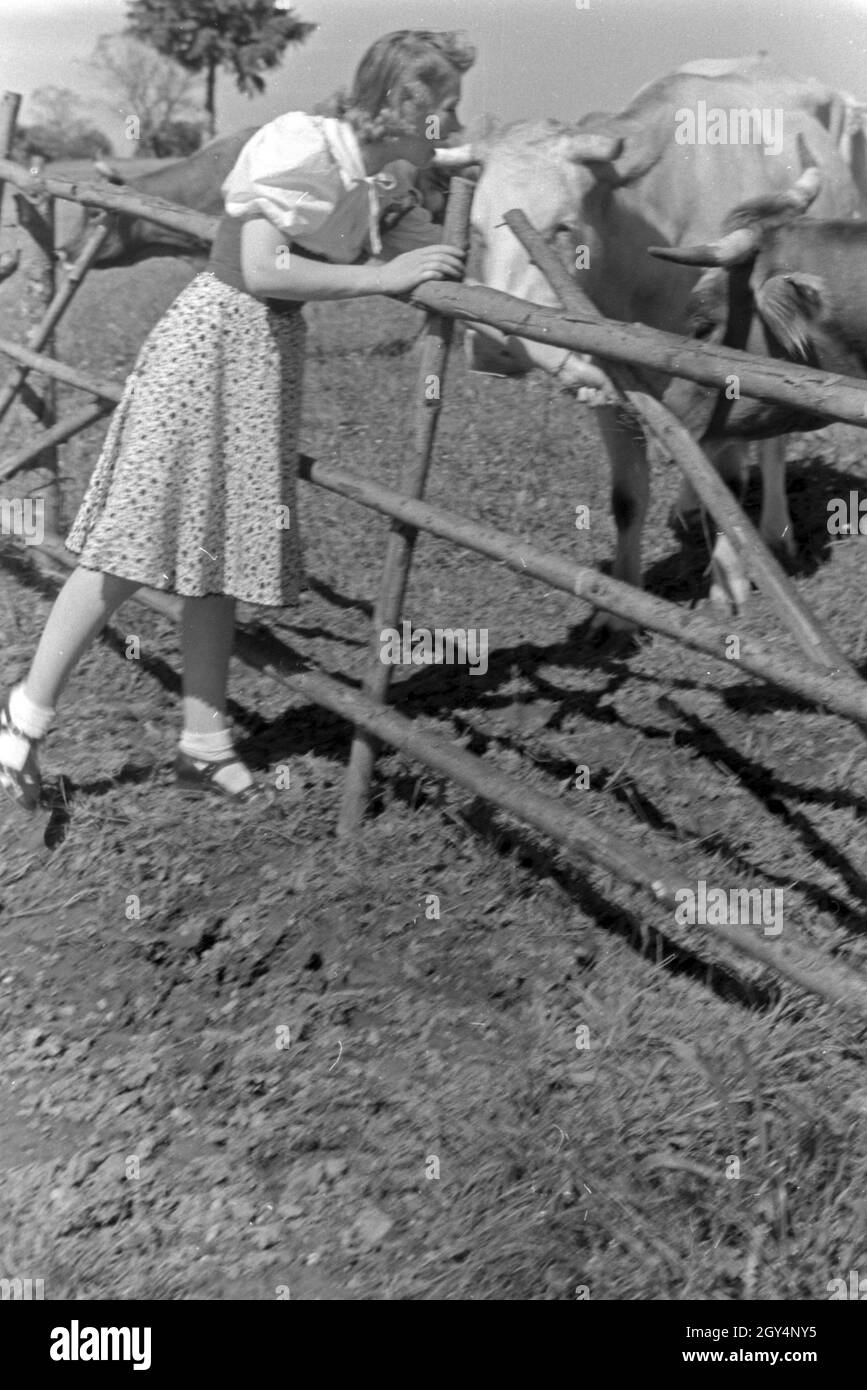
{"x":306,"y":175}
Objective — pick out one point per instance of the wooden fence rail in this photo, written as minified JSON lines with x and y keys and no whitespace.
{"x":802,"y":388}
{"x":112,"y":198}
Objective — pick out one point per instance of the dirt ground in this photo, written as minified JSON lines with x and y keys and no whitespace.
{"x":245,"y":1060}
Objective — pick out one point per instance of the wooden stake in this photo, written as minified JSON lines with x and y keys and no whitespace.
{"x":38,"y":362}
{"x":36,"y":215}
{"x":9,"y":108}
{"x":58,"y":434}
{"x":44,"y":330}
{"x":401,"y":541}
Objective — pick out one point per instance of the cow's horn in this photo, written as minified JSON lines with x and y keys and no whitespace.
{"x":729,"y":250}
{"x":792,"y":202}
{"x":108,"y":171}
{"x":583,"y":147}
{"x":737,"y":246}
{"x":455,"y":156}
{"x":805,"y":191}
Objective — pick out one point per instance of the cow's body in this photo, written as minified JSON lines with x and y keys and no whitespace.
{"x":656,"y":191}
{"x":193,"y":182}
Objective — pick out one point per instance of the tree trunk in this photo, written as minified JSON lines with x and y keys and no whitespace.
{"x":209,"y":100}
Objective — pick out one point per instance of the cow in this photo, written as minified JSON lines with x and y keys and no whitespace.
{"x":604,"y":190}
{"x":195,"y":183}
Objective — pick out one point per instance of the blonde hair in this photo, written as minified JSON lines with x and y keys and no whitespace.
{"x":397,"y":76}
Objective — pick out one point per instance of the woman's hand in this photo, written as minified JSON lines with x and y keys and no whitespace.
{"x":437,"y":262}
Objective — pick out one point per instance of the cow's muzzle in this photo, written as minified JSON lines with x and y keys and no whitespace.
{"x":489,"y":351}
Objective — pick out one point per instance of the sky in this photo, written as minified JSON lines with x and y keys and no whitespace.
{"x":557,"y":58}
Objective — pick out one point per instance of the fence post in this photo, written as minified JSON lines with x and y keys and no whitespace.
{"x":59,"y":304}
{"x":8,"y":120}
{"x":36,"y":215}
{"x":401,"y":541}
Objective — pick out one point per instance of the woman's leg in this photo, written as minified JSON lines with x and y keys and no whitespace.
{"x":81,"y":609}
{"x":207,"y":633}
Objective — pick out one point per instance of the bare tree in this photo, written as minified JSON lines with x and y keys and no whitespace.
{"x":156,"y":95}
{"x":61,"y":128}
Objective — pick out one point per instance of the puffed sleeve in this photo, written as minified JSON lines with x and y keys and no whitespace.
{"x":285,"y":173}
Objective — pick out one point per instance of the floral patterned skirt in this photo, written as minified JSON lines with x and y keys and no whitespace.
{"x":195,"y":489}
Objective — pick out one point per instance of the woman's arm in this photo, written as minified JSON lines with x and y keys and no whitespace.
{"x":270,"y":270}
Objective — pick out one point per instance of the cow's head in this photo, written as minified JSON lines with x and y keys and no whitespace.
{"x":559,"y":177}
{"x":760,"y":293}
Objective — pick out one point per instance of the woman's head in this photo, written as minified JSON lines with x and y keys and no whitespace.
{"x":404,"y":79}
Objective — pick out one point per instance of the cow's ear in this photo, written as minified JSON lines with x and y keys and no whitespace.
{"x":789,"y":306}
{"x":707,"y":308}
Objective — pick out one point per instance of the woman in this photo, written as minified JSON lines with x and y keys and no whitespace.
{"x":194,"y":491}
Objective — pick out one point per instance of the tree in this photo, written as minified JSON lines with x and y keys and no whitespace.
{"x":158,"y":96}
{"x":61,"y":129}
{"x":177,"y":139}
{"x":241,"y":36}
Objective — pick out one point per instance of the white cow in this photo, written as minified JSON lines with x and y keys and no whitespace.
{"x":615,"y":185}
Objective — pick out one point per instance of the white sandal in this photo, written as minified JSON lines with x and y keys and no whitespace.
{"x":23,"y":786}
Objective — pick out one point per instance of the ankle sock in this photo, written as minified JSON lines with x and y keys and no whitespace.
{"x":213,"y":748}
{"x":33,"y":721}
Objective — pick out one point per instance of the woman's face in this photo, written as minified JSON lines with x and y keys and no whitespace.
{"x":435,"y":121}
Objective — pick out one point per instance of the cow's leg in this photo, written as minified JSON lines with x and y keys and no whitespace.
{"x":775,"y":525}
{"x":630,"y":491}
{"x":686,"y":504}
{"x":730,"y":587}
